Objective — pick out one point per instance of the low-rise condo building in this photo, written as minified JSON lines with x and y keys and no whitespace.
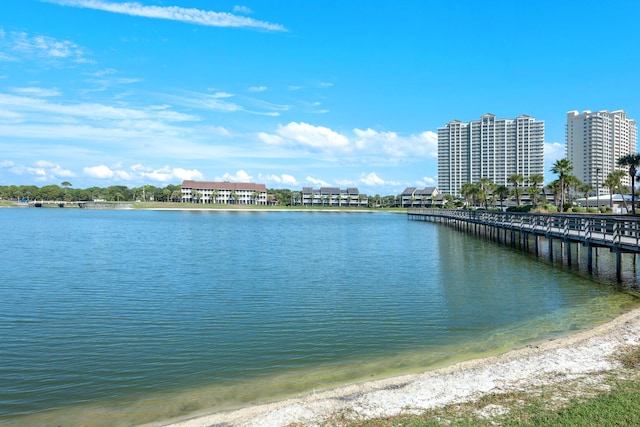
{"x":237,"y":193}
{"x":332,"y":196}
{"x":416,"y":197}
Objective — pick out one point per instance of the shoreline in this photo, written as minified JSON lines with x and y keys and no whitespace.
{"x":550,"y":362}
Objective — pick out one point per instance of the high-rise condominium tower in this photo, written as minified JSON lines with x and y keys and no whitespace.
{"x":489,"y":148}
{"x":595,"y":142}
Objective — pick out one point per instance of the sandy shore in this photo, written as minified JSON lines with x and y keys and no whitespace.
{"x":551,"y":362}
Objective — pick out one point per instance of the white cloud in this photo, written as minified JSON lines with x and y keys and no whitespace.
{"x":187,"y":174}
{"x":239,"y":176}
{"x":36,"y":91}
{"x":270,"y":138}
{"x":100,"y":172}
{"x":89,"y":111}
{"x":371,"y":179}
{"x":242,"y":9}
{"x":142,"y":173}
{"x":316,"y":137}
{"x":221,"y":95}
{"x":363,"y":144}
{"x":6,"y":164}
{"x":318,"y":182}
{"x":26,"y":46}
{"x":42,"y":170}
{"x":257,"y":88}
{"x":217,"y":130}
{"x":427,"y":181}
{"x":283,"y":179}
{"x":424,"y":144}
{"x":554,"y":151}
{"x":174,"y":13}
{"x":167,"y":174}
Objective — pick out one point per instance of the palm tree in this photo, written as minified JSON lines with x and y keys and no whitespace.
{"x":633,"y":161}
{"x":66,"y":185}
{"x":516,"y":179}
{"x":502,"y":191}
{"x":554,"y":186}
{"x":486,"y":186}
{"x":233,"y":196}
{"x":195,"y":195}
{"x":572,"y":182}
{"x":534,"y":181}
{"x":468,"y":191}
{"x":614,"y":182}
{"x":562,"y":167}
{"x":254,"y":196}
{"x":585,"y":189}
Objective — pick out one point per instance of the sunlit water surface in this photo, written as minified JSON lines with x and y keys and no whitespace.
{"x":127,"y":317}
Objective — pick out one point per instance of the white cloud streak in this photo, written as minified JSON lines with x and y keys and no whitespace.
{"x":364,"y":142}
{"x":174,"y":13}
{"x":239,"y":176}
{"x":20,"y":45}
{"x":42,"y":171}
{"x":141,"y":173}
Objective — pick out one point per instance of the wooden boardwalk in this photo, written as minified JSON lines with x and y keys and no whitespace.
{"x":620,"y":234}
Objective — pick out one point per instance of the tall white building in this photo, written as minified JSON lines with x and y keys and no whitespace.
{"x":489,"y":148}
{"x":595,"y":142}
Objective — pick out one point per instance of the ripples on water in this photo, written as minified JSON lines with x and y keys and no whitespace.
{"x":133,"y":316}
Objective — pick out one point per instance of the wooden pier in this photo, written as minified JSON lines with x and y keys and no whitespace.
{"x":620,"y":234}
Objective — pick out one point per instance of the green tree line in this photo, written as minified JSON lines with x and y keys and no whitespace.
{"x":66,"y":192}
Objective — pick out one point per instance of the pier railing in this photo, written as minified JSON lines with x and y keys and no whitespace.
{"x":619,"y":233}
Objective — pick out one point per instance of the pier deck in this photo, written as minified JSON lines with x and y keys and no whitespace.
{"x":621,"y":234}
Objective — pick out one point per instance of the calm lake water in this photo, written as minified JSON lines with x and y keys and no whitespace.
{"x":127,"y":317}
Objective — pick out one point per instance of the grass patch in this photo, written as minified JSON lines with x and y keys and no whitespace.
{"x":600,"y":399}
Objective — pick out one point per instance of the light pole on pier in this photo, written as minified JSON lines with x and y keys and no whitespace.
{"x":598,"y":188}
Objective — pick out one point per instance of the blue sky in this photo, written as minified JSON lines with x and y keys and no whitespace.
{"x":292,"y":93}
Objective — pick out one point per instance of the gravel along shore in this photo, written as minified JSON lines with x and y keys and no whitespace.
{"x":552,"y":362}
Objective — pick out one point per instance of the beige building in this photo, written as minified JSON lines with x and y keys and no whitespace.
{"x":237,"y":193}
{"x":595,"y":142}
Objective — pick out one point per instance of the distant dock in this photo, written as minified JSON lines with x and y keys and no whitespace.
{"x":620,"y":234}
{"x":81,"y":204}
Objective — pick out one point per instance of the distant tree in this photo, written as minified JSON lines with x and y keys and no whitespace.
{"x":486,"y":187}
{"x":554,"y":186}
{"x":66,"y":185}
{"x":562,"y":167}
{"x":534,"y":190}
{"x":572,"y":184}
{"x":449,"y":201}
{"x":615,"y":179}
{"x":471,"y":193}
{"x":633,"y":162}
{"x":176,"y":195}
{"x":515,"y":179}
{"x":585,"y":189}
{"x":502,"y":191}
{"x":611,"y":182}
